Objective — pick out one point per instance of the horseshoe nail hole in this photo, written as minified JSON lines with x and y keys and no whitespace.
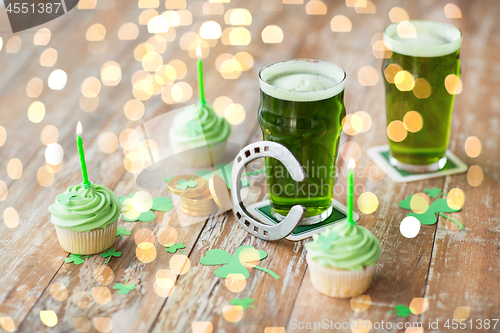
{"x":247,"y":153}
{"x":266,"y":233}
{"x":266,"y":148}
{"x":239,"y":159}
{"x":238,"y":215}
{"x":257,"y":150}
{"x":247,"y":223}
{"x":256,"y":229}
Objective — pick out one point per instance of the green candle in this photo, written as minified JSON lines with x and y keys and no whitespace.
{"x":79,"y":143}
{"x":350,"y":191}
{"x":200,"y":76}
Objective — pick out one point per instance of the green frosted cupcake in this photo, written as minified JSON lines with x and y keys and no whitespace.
{"x":342,"y":260}
{"x":86,"y":218}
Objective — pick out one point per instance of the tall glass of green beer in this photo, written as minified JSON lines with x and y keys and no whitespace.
{"x":421,"y":79}
{"x":302,"y":108}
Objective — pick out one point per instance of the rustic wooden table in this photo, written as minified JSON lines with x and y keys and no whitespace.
{"x":458,"y":272}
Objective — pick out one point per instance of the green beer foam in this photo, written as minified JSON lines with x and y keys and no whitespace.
{"x":302,"y":80}
{"x":433,"y":39}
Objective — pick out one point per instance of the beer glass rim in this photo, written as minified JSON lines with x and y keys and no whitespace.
{"x":314,"y":66}
{"x":442,"y":29}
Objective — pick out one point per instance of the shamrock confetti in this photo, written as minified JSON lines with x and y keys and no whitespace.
{"x":429,"y":217}
{"x":236,"y":264}
{"x":77,"y":259}
{"x":435,"y":192}
{"x":326,"y":241}
{"x":401,"y":311}
{"x":244,"y":303}
{"x":65,"y":198}
{"x":172,"y":248}
{"x":110,"y":253}
{"x":125,"y":288}
{"x":123,"y":232}
{"x":162,"y":204}
{"x":184,"y":184}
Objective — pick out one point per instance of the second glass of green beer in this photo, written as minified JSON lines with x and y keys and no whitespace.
{"x":421,"y":79}
{"x":302,"y":108}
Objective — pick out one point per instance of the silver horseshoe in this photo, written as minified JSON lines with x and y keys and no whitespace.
{"x":252,"y":152}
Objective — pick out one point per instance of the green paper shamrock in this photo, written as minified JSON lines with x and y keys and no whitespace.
{"x":326,"y":241}
{"x":401,"y":311}
{"x":429,"y":217}
{"x":194,"y":128}
{"x":184,"y":184}
{"x":110,"y":253}
{"x":65,"y":198}
{"x":162,"y":204}
{"x":143,"y":217}
{"x":235,"y":264}
{"x":123,"y":232}
{"x":244,"y":303}
{"x":172,"y":248}
{"x":122,"y":199}
{"x":125,"y":288}
{"x":77,"y":259}
{"x":435,"y":192}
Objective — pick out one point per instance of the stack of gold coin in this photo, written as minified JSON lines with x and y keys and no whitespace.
{"x":196,"y":198}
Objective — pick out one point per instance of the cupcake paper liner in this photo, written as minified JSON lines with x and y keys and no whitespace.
{"x":87,"y":242}
{"x":340,"y":283}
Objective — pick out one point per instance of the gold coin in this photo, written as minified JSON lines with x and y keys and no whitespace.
{"x":199,"y":205}
{"x":195,"y":201}
{"x":220,"y":192}
{"x":197,"y":209}
{"x":198,"y":190}
{"x":196,"y":213}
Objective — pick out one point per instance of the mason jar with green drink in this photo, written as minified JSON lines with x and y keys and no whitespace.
{"x":302,"y":108}
{"x":422,"y":77}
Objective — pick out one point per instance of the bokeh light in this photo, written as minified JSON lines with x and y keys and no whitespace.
{"x":13,"y":45}
{"x":48,"y":57}
{"x":82,"y":299}
{"x":409,"y":227}
{"x":475,"y":175}
{"x":3,"y":135}
{"x":473,"y":146}
{"x":104,"y":275}
{"x":391,"y":71}
{"x":347,"y":124}
{"x":58,"y":291}
{"x":96,"y":33}
{"x":103,"y":324}
{"x":134,"y":109}
{"x":48,"y":318}
{"x":398,"y":14}
{"x":54,"y":153}
{"x":101,"y":295}
{"x":164,"y":287}
{"x":235,"y":114}
{"x":272,"y":34}
{"x":4,"y":190}
{"x":340,"y":23}
{"x":396,"y":131}
{"x":111,"y":73}
{"x":42,"y":37}
{"x":365,"y":7}
{"x":34,"y":87}
{"x":108,"y":142}
{"x":350,"y":150}
{"x":158,"y":25}
{"x":419,"y":203}
{"x":36,"y":112}
{"x":14,"y":168}
{"x":148,"y":3}
{"x":167,"y":235}
{"x":361,"y":121}
{"x":232,"y":313}
{"x":210,"y":30}
{"x":453,"y":84}
{"x":57,"y":79}
{"x":461,"y":313}
{"x":406,"y":30}
{"x":238,"y":16}
{"x":374,"y":172}
{"x":202,"y":327}
{"x":7,"y":324}
{"x":368,"y":76}
{"x":422,"y":88}
{"x":88,"y":104}
{"x":91,"y":87}
{"x":146,"y":252}
{"x":367,"y":202}
{"x":175,"y":4}
{"x":81,"y":324}
{"x":180,"y":264}
{"x":452,"y":11}
{"x":87,"y":4}
{"x":10,"y":217}
{"x":455,"y":198}
{"x":413,"y":121}
{"x":360,"y":303}
{"x":419,"y":305}
{"x":142,"y":201}
{"x":128,"y":31}
{"x":316,"y":7}
{"x":45,"y":176}
{"x":152,"y":62}
{"x":404,"y":81}
{"x":235,"y":282}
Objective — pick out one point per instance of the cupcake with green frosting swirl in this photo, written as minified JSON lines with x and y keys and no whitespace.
{"x":86,"y":218}
{"x":198,"y":126}
{"x":342,"y":260}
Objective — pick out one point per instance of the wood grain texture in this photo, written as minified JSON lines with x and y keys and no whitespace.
{"x":450,"y":268}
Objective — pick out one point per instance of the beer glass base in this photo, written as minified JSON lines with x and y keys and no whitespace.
{"x":411,"y":168}
{"x":309,"y":220}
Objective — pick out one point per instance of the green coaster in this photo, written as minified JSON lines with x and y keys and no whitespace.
{"x":262,"y":212}
{"x":380,"y":155}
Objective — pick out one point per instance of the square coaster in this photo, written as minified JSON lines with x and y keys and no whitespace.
{"x":262,"y":212}
{"x":380,"y":154}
